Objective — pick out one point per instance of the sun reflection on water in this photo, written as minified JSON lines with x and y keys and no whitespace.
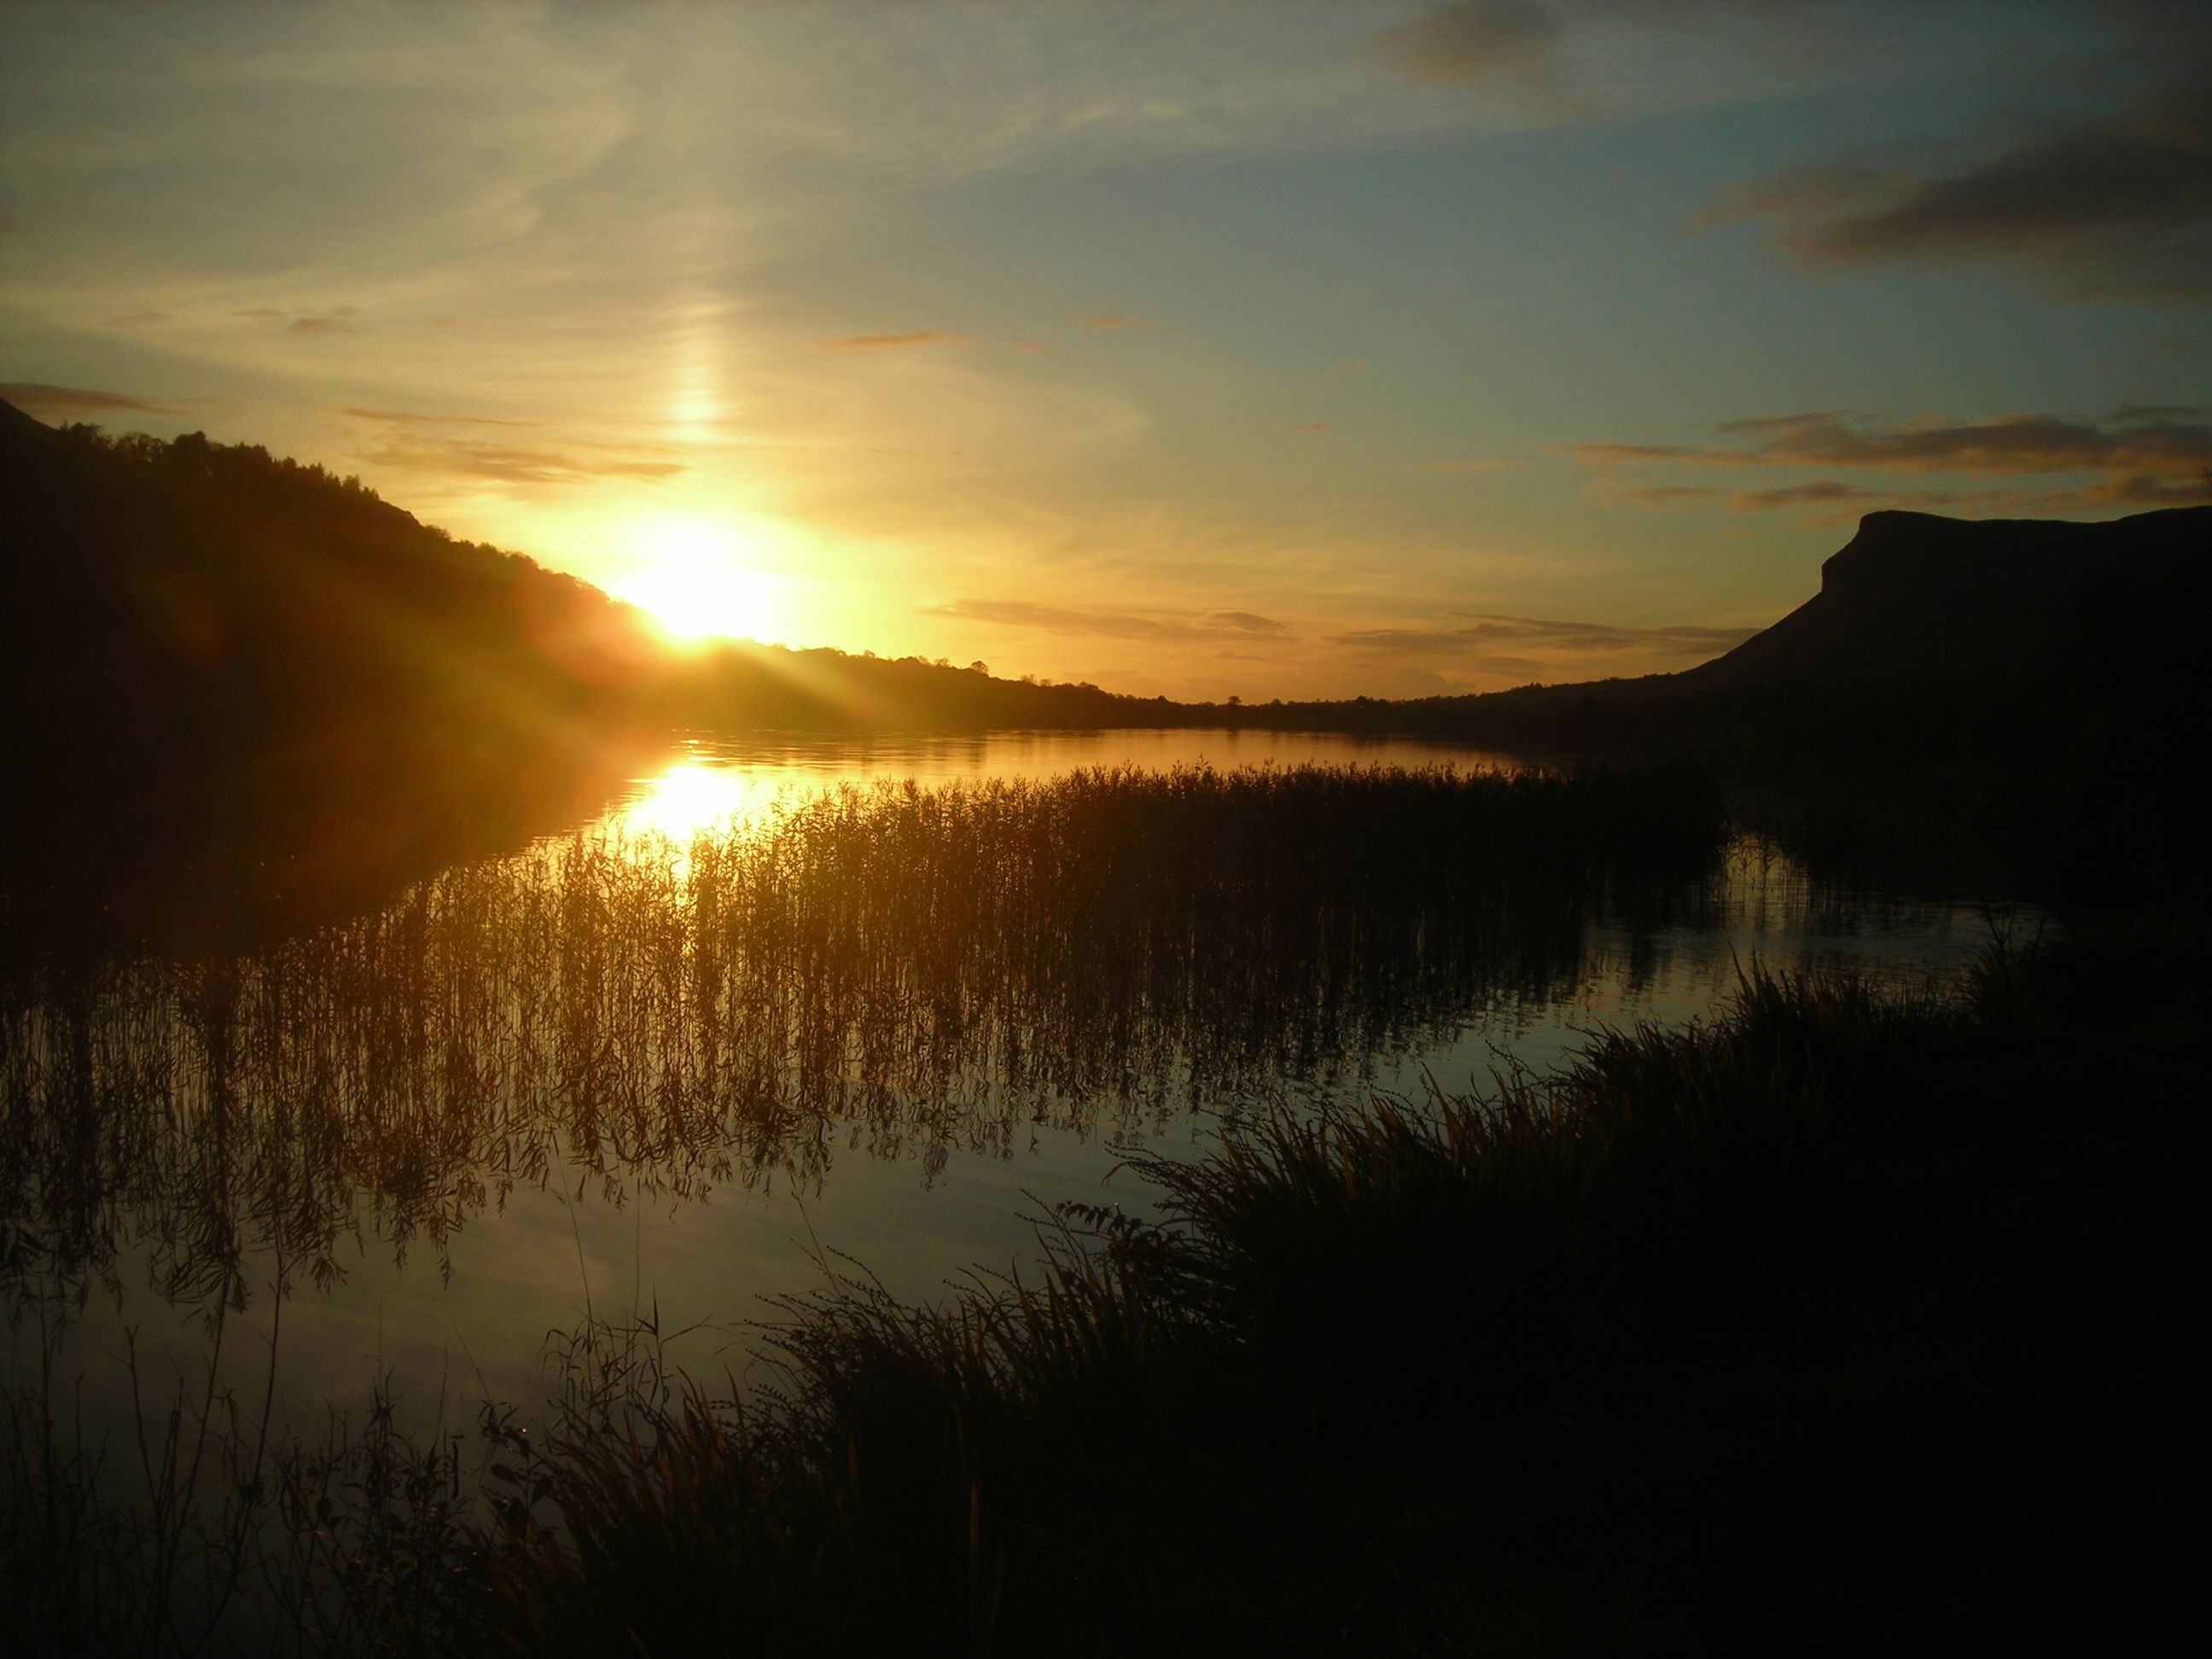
{"x":694,"y":798}
{"x":717,"y":785}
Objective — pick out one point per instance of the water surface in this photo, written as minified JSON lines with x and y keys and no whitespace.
{"x":772,"y":1008}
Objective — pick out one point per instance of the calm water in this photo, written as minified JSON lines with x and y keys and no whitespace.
{"x":411,"y":1146}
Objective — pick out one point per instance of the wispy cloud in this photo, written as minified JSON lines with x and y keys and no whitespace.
{"x":1485,"y":631}
{"x":336,"y":320}
{"x":2112,"y":202}
{"x":1496,"y":45}
{"x":2147,"y":456}
{"x":509,"y":464}
{"x":1246,"y":621}
{"x":1820,"y":492}
{"x":33,"y":395}
{"x":1463,"y":650}
{"x":412,"y":417}
{"x":919,"y":336}
{"x":1108,"y":320}
{"x":1478,"y":464}
{"x":1578,"y":60}
{"x":1111,"y":624}
{"x":2156,"y":441}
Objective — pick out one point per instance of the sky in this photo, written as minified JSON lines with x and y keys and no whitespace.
{"x":1271,"y":349}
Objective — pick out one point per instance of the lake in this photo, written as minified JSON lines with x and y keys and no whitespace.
{"x":789,"y":1004}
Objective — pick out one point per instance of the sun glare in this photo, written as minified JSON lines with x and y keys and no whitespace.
{"x":694,"y":579}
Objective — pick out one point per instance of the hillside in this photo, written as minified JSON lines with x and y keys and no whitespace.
{"x":181,"y":602}
{"x":225,"y":671}
{"x":185,"y":603}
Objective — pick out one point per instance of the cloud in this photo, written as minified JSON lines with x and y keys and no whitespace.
{"x":411,"y":417}
{"x":1246,"y":621}
{"x":337,"y":320}
{"x":1663,"y":494}
{"x":2150,"y":456}
{"x":1120,"y":625}
{"x":330,"y":322}
{"x":2153,"y":440}
{"x":1577,"y":59}
{"x":1820,"y":492}
{"x":1490,"y":647}
{"x":137,"y":317}
{"x":78,"y":400}
{"x":1836,"y":502}
{"x":2139,"y":490}
{"x":1486,"y":630}
{"x":923,"y":337}
{"x":1475,"y":40}
{"x":1673,"y":640}
{"x":1108,"y":320}
{"x":2110,"y":203}
{"x":1401,"y":639}
{"x":1485,"y":464}
{"x":506,"y":463}
{"x":1839,"y":503}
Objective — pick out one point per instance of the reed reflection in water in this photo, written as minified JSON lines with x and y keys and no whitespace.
{"x":898,"y":971}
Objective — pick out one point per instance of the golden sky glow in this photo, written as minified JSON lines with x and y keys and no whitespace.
{"x":1275,"y":348}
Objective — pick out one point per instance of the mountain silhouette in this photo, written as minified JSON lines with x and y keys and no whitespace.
{"x":1914,"y":598}
{"x":1919,"y":618}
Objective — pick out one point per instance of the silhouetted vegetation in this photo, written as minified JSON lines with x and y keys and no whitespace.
{"x":1837,"y":1322}
{"x":1820,"y":1328}
{"x":907,"y":970}
{"x":236,"y":682}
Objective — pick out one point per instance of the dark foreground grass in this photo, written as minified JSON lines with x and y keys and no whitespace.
{"x":1838,"y":1324}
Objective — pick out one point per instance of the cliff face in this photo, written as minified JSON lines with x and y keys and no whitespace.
{"x":1916,"y":598}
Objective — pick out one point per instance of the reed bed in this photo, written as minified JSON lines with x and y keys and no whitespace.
{"x":909,"y":970}
{"x":1751,"y":1334}
{"x":1424,"y":1376}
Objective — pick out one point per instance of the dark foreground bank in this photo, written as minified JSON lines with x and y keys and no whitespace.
{"x":1837,"y":1325}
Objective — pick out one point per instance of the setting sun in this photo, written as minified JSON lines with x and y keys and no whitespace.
{"x":694,"y":579}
